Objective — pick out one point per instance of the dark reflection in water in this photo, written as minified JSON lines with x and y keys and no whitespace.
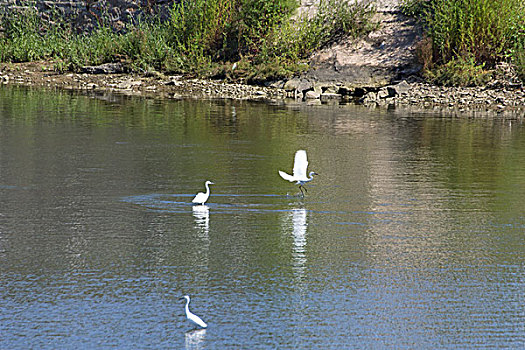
{"x":412,"y":237}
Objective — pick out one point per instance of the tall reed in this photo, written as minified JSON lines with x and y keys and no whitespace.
{"x":471,"y":36}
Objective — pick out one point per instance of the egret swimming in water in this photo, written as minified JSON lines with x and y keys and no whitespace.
{"x":191,"y":316}
{"x":299,"y":171}
{"x":201,"y":197}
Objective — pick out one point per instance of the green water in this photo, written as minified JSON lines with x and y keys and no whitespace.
{"x":412,"y":236}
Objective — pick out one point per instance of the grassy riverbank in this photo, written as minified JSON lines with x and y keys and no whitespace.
{"x":201,"y":38}
{"x":465,"y":39}
{"x":256,"y":40}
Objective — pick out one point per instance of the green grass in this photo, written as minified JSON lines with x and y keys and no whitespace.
{"x":469,"y":37}
{"x":459,"y":72}
{"x":201,"y":38}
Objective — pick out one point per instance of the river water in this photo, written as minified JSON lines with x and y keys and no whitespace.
{"x":412,"y":236}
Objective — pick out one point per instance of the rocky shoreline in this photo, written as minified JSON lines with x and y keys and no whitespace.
{"x":110,"y":78}
{"x":497,"y":96}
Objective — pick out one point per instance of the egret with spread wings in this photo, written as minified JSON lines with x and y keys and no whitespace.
{"x":299,"y":171}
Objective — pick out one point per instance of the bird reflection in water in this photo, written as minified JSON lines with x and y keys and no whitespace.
{"x":194,"y":339}
{"x":299,"y":236}
{"x":201,"y":213}
{"x":296,"y":221}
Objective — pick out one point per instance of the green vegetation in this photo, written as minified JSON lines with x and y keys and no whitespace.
{"x":460,"y":71}
{"x":466,"y":38}
{"x":201,"y":38}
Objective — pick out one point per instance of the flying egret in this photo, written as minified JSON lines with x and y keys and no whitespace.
{"x":201,"y":197}
{"x":299,"y":171}
{"x":191,"y":316}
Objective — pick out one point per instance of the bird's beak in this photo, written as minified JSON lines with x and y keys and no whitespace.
{"x":181,"y":298}
{"x":213,"y":183}
{"x":316,"y":174}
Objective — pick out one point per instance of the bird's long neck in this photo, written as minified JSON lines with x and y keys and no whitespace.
{"x":207,"y":189}
{"x":187,"y":307}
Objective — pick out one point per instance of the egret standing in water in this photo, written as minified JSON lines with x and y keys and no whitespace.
{"x":191,"y":316}
{"x":299,"y":171}
{"x":201,"y":197}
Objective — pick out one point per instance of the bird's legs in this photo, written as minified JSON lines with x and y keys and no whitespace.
{"x":301,"y":188}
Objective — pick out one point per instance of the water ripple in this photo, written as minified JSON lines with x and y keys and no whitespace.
{"x":181,"y":203}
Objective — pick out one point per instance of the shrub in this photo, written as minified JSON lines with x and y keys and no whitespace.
{"x":201,"y":37}
{"x":298,"y":39}
{"x":258,"y":32}
{"x":415,"y":8}
{"x":467,"y":36}
{"x":24,"y":38}
{"x":462,"y":71}
{"x":203,"y":31}
{"x":518,"y":58}
{"x":481,"y":28}
{"x":516,"y":53}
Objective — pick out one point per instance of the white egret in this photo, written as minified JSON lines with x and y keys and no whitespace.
{"x":191,"y":316}
{"x":299,"y":171}
{"x":201,"y":197}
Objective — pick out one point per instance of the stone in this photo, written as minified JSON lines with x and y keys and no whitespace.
{"x":129,"y":84}
{"x":298,"y":86}
{"x":383,"y":93}
{"x":318,"y":88}
{"x":312,"y":95}
{"x":313,"y":102}
{"x":106,"y":68}
{"x":369,"y":98}
{"x":277,"y":84}
{"x":330,"y":89}
{"x":398,"y":89}
{"x":292,"y":84}
{"x":305,"y":85}
{"x":173,"y":82}
{"x":330,"y":96}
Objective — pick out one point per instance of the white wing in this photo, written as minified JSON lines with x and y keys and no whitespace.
{"x":200,"y":198}
{"x":286,"y":176}
{"x":197,"y":320}
{"x":300,"y":165}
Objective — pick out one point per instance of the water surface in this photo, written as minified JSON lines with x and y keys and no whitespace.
{"x":412,"y":236}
